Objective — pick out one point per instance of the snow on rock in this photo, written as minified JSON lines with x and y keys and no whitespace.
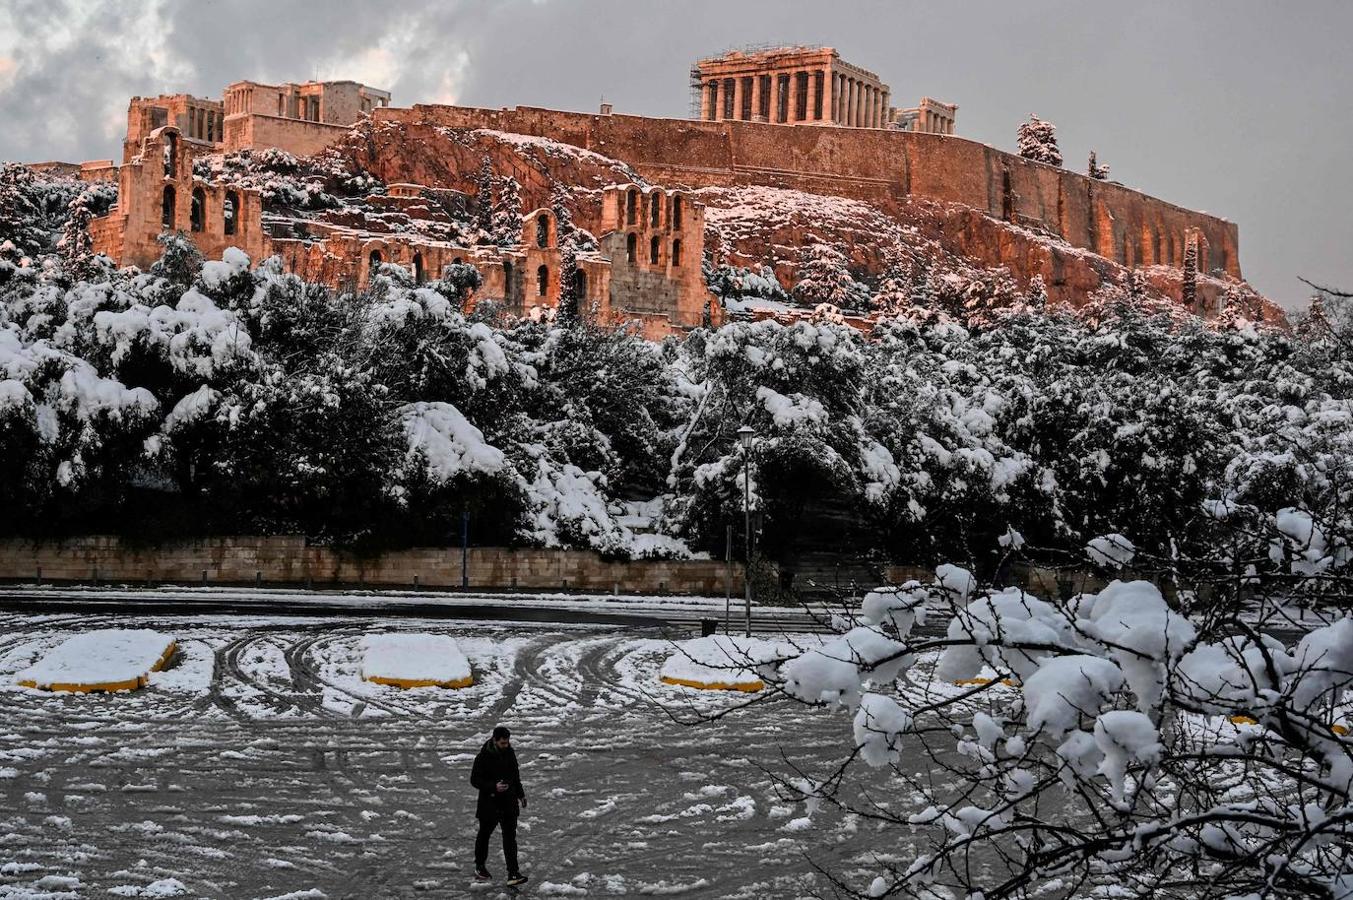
{"x":1125,"y":737}
{"x":117,"y":657}
{"x":451,"y":444}
{"x":1112,"y":551}
{"x":1065,"y":688}
{"x":879,"y":725}
{"x":722,"y":662}
{"x":415,"y":660}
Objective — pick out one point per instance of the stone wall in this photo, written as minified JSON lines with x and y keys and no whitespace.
{"x":877,"y":165}
{"x":290,"y":560}
{"x":296,"y":136}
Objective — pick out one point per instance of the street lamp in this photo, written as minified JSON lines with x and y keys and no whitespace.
{"x":746,"y":434}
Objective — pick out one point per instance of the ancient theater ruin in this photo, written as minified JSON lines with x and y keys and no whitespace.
{"x":799,"y":120}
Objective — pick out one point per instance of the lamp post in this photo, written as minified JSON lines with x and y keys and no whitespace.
{"x":746,"y":434}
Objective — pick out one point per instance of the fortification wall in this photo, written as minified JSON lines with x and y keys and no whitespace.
{"x":290,"y":560}
{"x":876,"y":165}
{"x":296,"y":136}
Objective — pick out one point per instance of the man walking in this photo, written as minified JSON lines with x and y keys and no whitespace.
{"x":496,"y":776}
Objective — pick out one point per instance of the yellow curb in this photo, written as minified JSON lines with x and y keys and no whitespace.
{"x":749,"y":687}
{"x":130,"y":684}
{"x":973,"y":682}
{"x":1243,"y":720}
{"x":1340,"y":730}
{"x":420,"y":682}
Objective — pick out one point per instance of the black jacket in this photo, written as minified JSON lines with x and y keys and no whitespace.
{"x":491,"y":766}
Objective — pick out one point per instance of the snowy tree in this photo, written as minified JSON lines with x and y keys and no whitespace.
{"x":1095,"y":170}
{"x":893,"y":295}
{"x":484,"y":184}
{"x":1189,"y":282}
{"x":505,"y":229}
{"x":1037,"y":295}
{"x":76,"y":247}
{"x":823,"y":276}
{"x":1038,"y":141}
{"x":570,"y":299}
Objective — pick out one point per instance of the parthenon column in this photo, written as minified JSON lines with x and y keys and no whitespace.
{"x":737,"y":97}
{"x":756,"y":97}
{"x":876,"y":103}
{"x":838,"y":104}
{"x":887,"y":106}
{"x":856,"y":104}
{"x":869,"y":106}
{"x":791,"y":112}
{"x":704,"y":101}
{"x":849,"y":118}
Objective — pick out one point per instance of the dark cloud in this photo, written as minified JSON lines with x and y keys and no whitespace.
{"x":1239,"y":107}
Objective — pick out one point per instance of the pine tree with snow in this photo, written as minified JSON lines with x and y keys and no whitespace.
{"x":823,"y":276}
{"x":1095,"y":170}
{"x":1037,"y":295}
{"x":505,"y":229}
{"x":563,"y":215}
{"x":76,"y":247}
{"x":1188,"y":291}
{"x":1038,"y":141}
{"x":569,"y":300}
{"x":893,"y":294}
{"x":484,"y":199}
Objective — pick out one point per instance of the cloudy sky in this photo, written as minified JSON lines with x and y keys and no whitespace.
{"x":1243,"y":108}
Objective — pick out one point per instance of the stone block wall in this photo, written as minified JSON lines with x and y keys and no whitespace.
{"x":296,"y":136}
{"x":290,"y":560}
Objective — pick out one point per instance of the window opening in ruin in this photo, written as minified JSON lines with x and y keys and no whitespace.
{"x":418,"y":277}
{"x":676,"y":211}
{"x":631,"y":246}
{"x":458,"y":261}
{"x":197,"y":212}
{"x":230,"y":211}
{"x":1007,"y":197}
{"x":676,"y":252}
{"x":654,"y":210}
{"x":167,"y":209}
{"x":817,"y":95}
{"x":579,"y":283}
{"x":171,"y":162}
{"x":653,"y":251}
{"x":542,"y":231}
{"x":507,"y":279}
{"x":542,"y":280}
{"x":631,"y":203}
{"x":281,"y":105}
{"x":374,"y":262}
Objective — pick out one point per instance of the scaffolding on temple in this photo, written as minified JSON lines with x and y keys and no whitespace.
{"x":697,"y":92}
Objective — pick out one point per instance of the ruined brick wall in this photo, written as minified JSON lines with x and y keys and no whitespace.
{"x":869,"y":164}
{"x":289,"y":560}
{"x":296,"y":136}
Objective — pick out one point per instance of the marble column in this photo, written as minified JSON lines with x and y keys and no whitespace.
{"x":756,"y":97}
{"x":737,"y":97}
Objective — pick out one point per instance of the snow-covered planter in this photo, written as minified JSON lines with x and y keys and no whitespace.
{"x":110,"y":659}
{"x":722,"y":663}
{"x":415,"y":660}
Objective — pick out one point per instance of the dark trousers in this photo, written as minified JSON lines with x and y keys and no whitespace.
{"x":487,"y":823}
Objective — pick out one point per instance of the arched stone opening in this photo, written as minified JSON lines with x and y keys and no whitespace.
{"x":676,"y":211}
{"x":167,"y":208}
{"x":419,"y":276}
{"x":542,"y":280}
{"x":374,"y":262}
{"x":654,"y":250}
{"x":654,"y":210}
{"x":631,"y":246}
{"x":676,"y":252}
{"x":579,"y":283}
{"x":230,"y":212}
{"x":197,"y":212}
{"x":631,"y":207}
{"x":171,"y":155}
{"x":542,"y":231}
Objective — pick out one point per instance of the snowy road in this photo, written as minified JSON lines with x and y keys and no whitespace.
{"x":261,"y":765}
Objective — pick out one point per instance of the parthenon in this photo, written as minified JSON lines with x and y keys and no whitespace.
{"x":806,"y":85}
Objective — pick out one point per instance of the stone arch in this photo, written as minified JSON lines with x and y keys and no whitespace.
{"x":457,"y":261}
{"x":579,"y":283}
{"x":171,"y":154}
{"x":374,"y":261}
{"x":542,"y":280}
{"x":507,"y":279}
{"x":676,"y":211}
{"x":654,"y":250}
{"x":230,"y":212}
{"x":631,"y":246}
{"x":631,"y":206}
{"x":197,"y":212}
{"x":167,"y":206}
{"x":419,"y":275}
{"x":676,"y":252}
{"x":542,"y":231}
{"x":655,"y":209}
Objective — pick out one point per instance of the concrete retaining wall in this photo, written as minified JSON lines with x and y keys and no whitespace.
{"x":289,"y":560}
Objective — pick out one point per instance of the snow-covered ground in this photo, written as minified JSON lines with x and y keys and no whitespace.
{"x":261,"y":764}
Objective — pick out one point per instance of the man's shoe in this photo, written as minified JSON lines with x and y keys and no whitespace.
{"x":482,"y":875}
{"x":514,"y":880}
